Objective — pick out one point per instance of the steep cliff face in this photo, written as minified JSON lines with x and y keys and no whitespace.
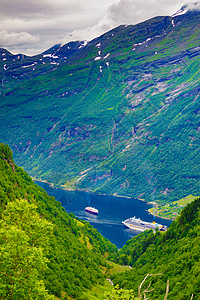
{"x":120,"y":115}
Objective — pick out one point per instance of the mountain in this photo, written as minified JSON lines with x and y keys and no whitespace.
{"x":189,"y":8}
{"x":15,"y":69}
{"x":119,"y":116}
{"x":44,"y":251}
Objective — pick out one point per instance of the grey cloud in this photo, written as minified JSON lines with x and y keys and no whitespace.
{"x":16,"y":39}
{"x":45,"y":20}
{"x":127,"y":12}
{"x":54,"y":21}
{"x":37,"y":8}
{"x":49,"y":8}
{"x":134,"y":11}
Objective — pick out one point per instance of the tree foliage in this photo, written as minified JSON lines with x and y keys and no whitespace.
{"x":174,"y":254}
{"x":42,"y":246}
{"x":24,"y":244}
{"x":119,"y":294}
{"x":44,"y":251}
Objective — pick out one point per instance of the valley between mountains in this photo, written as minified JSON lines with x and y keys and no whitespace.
{"x":46,"y":253}
{"x":116,"y":115}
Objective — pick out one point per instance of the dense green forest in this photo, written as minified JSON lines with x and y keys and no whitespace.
{"x":172,"y":256}
{"x":44,"y":251}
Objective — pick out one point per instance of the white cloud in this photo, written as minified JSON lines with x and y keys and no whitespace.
{"x":135,"y":11}
{"x":126,"y":12}
{"x":90,"y":33}
{"x":194,"y":6}
{"x":48,"y":20}
{"x":16,"y":39}
{"x":39,"y":24}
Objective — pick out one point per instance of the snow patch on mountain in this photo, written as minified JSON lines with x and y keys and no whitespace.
{"x":27,"y":66}
{"x":180,"y":12}
{"x":83,"y":45}
{"x":46,"y":55}
{"x":190,"y":7}
{"x":106,"y":56}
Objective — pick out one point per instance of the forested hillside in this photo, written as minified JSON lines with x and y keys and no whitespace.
{"x":44,"y":252}
{"x":171,"y":257}
{"x":119,"y":116}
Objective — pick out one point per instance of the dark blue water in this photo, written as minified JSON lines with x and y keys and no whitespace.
{"x":112,"y":211}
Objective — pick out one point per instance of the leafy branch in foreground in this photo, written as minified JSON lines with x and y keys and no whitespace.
{"x":123,"y":294}
{"x":119,"y":294}
{"x":24,"y":244}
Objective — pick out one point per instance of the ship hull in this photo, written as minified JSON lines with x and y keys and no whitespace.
{"x":140,"y":226}
{"x":91,"y":210}
{"x":134,"y":227}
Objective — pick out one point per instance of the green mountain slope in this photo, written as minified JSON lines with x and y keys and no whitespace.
{"x":44,"y":251}
{"x":15,"y":69}
{"x":173,"y":255}
{"x":121,"y":116}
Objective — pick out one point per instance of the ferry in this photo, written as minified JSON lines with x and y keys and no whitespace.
{"x":139,"y":225}
{"x":92,"y":210}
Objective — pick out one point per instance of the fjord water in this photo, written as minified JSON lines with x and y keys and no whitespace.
{"x":112,"y":211}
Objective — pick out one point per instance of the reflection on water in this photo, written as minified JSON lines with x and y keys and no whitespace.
{"x":112,"y":211}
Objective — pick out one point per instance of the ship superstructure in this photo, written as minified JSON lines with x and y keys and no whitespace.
{"x":92,"y":210}
{"x":139,"y":225}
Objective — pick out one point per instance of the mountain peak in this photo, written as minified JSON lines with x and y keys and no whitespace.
{"x":188,"y":8}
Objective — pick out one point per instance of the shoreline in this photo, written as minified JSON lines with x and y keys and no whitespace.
{"x":158,"y":216}
{"x":44,"y":181}
{"x":101,"y":194}
{"x":82,"y":190}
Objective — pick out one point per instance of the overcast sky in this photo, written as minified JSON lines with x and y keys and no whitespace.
{"x":32,"y":26}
